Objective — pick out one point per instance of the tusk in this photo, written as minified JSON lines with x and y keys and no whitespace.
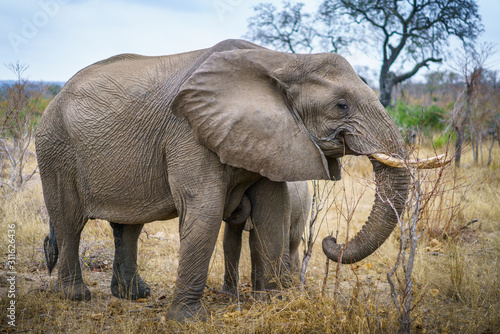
{"x":428,"y":163}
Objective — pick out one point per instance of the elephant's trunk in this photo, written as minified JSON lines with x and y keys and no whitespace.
{"x":392,"y":185}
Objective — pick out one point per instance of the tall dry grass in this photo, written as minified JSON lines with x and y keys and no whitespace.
{"x":456,"y":273}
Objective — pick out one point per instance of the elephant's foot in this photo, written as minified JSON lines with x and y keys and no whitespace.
{"x":265,"y":290}
{"x":183,"y":312}
{"x":231,"y":289}
{"x":74,"y":291}
{"x":132,"y":289}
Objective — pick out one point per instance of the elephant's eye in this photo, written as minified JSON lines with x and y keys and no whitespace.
{"x":342,"y":106}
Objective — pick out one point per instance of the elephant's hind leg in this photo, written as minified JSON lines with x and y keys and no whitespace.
{"x":67,"y":222}
{"x":126,"y":282}
{"x":70,"y":281}
{"x":56,"y":161}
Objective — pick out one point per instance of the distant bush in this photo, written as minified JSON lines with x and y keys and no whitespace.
{"x":409,"y":116}
{"x":21,"y":105}
{"x":443,"y":140}
{"x":53,"y":90}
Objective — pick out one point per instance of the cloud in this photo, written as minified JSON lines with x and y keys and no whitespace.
{"x":59,"y":37}
{"x":67,"y":35}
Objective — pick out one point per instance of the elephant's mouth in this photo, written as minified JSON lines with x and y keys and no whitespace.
{"x":335,"y":145}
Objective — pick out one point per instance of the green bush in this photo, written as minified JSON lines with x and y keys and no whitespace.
{"x":443,"y":140}
{"x":414,"y":116}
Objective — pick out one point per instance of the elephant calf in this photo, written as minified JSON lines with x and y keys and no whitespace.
{"x":252,"y":215}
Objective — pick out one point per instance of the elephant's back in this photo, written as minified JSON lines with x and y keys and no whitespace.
{"x":128,"y":86}
{"x":107,"y":130}
{"x":110,"y":129}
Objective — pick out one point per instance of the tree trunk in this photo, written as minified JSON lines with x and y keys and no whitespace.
{"x":473,"y":138}
{"x":460,"y":128}
{"x":458,"y":147}
{"x":386,"y":94}
{"x":491,"y":148}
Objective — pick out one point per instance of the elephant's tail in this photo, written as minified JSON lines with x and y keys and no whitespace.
{"x":50,"y":249}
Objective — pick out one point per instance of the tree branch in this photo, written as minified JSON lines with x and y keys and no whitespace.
{"x":416,"y":68}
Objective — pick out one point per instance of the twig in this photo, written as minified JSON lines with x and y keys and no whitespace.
{"x":337,"y":271}
{"x":227,"y":294}
{"x":289,"y":303}
{"x":41,"y":279}
{"x":319,"y":200}
{"x":431,"y":253}
{"x":469,"y":223}
{"x":325,"y":278}
{"x":481,"y":250}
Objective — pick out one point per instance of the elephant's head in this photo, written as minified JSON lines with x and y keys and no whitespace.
{"x":290,"y":117}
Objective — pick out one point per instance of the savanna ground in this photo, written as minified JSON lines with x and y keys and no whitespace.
{"x":456,"y":273}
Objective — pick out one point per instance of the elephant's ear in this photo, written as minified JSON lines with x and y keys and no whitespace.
{"x":235,"y":107}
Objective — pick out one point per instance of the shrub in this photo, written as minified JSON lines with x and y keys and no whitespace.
{"x":409,"y":116}
{"x":21,"y":106}
{"x":443,"y":139}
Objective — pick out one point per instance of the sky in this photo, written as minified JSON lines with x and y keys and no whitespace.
{"x":56,"y":38}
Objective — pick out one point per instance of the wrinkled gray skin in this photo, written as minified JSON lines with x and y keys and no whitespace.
{"x":253,"y":215}
{"x":134,"y":139}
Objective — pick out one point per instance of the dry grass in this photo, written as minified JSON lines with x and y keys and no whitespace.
{"x":456,"y":274}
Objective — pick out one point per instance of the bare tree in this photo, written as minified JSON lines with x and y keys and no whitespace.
{"x":405,"y":32}
{"x":320,"y":200}
{"x":294,"y":30}
{"x":494,"y":133}
{"x":414,"y":32}
{"x":17,"y":124}
{"x":493,"y":111}
{"x":420,"y":198}
{"x":473,"y":108}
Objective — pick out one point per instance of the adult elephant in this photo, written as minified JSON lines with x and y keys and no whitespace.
{"x":253,"y":214}
{"x":134,"y":139}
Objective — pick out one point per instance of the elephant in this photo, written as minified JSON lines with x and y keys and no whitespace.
{"x":133,"y":139}
{"x":252,"y":215}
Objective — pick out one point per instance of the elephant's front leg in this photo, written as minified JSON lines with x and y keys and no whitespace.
{"x":200,"y":217}
{"x":198,"y":235}
{"x":126,"y":282}
{"x":232,"y":250}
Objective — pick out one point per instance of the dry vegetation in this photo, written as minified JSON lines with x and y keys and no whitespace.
{"x":455,"y":279}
